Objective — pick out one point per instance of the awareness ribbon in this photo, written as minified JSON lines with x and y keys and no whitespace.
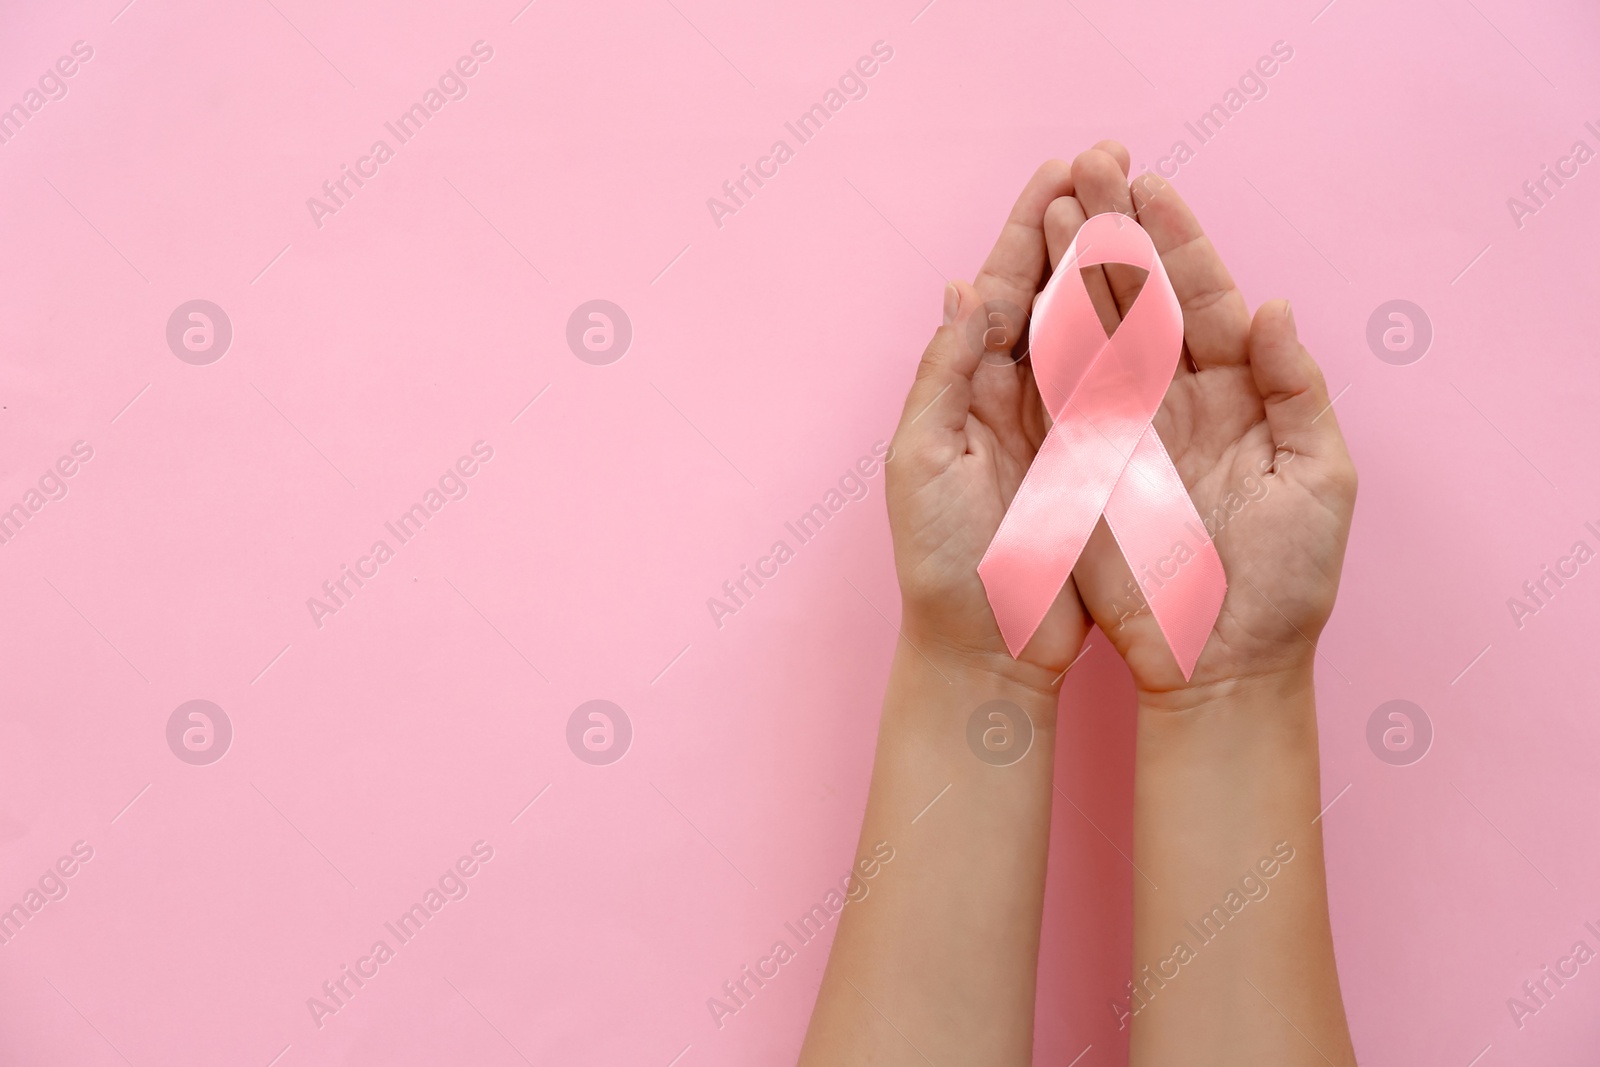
{"x":1102,"y":455}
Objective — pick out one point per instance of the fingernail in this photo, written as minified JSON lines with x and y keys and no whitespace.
{"x":952,"y":303}
{"x":1288,"y":313}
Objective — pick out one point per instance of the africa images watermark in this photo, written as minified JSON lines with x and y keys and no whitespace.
{"x":999,"y":733}
{"x":1253,"y":488}
{"x":1253,"y":888}
{"x":1252,"y":85}
{"x":51,"y":86}
{"x":852,"y":85}
{"x":51,"y":886}
{"x":51,"y":485}
{"x":1538,"y":192}
{"x":451,"y":886}
{"x":738,"y":991}
{"x":853,"y":485}
{"x":452,"y":85}
{"x":452,"y":485}
{"x":1538,"y":592}
{"x":1537,"y":993}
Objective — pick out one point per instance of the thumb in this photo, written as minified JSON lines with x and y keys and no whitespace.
{"x":1291,"y":385}
{"x":941,"y":395}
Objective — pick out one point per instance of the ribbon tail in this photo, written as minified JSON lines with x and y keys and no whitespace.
{"x":1166,"y":544}
{"x":1044,"y":531}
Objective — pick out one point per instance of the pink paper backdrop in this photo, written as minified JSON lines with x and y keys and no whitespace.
{"x":375,"y":345}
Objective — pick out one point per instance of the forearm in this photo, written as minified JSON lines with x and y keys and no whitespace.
{"x":939,"y":958}
{"x":1233,"y":954}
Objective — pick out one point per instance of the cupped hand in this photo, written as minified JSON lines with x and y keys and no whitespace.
{"x":1249,"y":426}
{"x":970,"y":427}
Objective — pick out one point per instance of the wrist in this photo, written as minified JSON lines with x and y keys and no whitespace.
{"x":977,"y":667}
{"x":1288,"y":685}
{"x":1221,"y":777}
{"x":938,"y":689}
{"x":1267,"y":722}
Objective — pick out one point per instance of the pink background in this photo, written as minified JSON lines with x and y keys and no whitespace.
{"x":768,"y":355}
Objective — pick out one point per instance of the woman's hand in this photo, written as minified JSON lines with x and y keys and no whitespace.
{"x":971,"y":425}
{"x":1249,"y":426}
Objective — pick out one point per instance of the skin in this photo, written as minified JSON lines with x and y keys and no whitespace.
{"x":939,"y":960}
{"x":937,"y":964}
{"x":1226,"y":767}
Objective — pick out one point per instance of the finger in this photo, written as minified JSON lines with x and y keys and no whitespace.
{"x":1118,"y":152}
{"x":1216,"y":319}
{"x":1005,"y":288}
{"x":940,"y":396}
{"x":1292,"y":387}
{"x":1016,"y":265}
{"x":1101,"y":185}
{"x":1062,"y":221}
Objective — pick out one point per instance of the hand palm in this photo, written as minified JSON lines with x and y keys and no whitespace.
{"x":1248,"y":426}
{"x":948,"y":500}
{"x":971,"y":425}
{"x":1246,"y":422}
{"x":1271,"y":522}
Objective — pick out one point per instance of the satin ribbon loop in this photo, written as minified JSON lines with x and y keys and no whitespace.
{"x":1103,"y":457}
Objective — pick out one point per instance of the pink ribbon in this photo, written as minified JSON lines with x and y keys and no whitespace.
{"x":1102,"y":456}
